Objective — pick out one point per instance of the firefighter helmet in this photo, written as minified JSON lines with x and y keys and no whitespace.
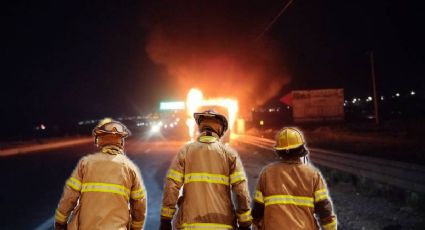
{"x":109,"y":126}
{"x":214,"y":115}
{"x":289,"y":138}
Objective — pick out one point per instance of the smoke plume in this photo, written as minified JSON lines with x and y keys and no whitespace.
{"x":212,"y":45}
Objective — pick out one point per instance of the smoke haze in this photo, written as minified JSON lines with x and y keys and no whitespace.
{"x":211,"y":45}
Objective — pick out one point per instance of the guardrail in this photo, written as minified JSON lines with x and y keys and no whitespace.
{"x":400,"y":174}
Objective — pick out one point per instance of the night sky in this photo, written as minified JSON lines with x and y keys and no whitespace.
{"x":65,"y":61}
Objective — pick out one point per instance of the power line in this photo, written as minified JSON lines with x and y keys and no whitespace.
{"x":274,"y":19}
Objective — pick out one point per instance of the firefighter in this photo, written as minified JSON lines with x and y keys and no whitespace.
{"x":209,"y":171}
{"x":105,"y":191}
{"x":289,"y":193}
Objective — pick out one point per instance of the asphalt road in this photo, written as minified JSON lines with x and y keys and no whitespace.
{"x":32,"y":184}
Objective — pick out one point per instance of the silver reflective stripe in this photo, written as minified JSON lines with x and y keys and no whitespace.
{"x":209,"y":226}
{"x":236,"y":177}
{"x":175,"y":175}
{"x":206,"y":177}
{"x":107,"y":188}
{"x":288,"y":199}
{"x":138,"y":194}
{"x":321,"y":194}
{"x":74,"y":183}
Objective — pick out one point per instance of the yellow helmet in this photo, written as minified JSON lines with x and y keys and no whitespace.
{"x":289,"y":138}
{"x":109,"y":126}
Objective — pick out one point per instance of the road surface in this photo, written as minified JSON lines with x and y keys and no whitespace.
{"x":32,"y":184}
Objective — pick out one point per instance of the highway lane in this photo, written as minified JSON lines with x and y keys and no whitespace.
{"x":32,"y":185}
{"x":34,"y":181}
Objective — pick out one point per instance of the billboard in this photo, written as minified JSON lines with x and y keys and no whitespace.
{"x":318,"y":105}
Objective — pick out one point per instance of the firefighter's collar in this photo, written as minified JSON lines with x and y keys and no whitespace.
{"x":208,"y":137}
{"x":291,"y":161}
{"x":112,"y":149}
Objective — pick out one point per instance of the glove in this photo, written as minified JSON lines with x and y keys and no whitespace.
{"x":244,"y":227}
{"x":60,"y":226}
{"x":165,"y":224}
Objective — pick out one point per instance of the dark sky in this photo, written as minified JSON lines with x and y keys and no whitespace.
{"x":71,"y":60}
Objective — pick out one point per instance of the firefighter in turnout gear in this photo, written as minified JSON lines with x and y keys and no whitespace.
{"x":105,"y":191}
{"x":207,"y":171}
{"x":289,"y":193}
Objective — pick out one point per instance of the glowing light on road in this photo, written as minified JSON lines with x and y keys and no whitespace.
{"x":397,"y":95}
{"x":412,"y":93}
{"x":155,"y":128}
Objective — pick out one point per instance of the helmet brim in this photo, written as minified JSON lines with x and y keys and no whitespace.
{"x":287,"y":147}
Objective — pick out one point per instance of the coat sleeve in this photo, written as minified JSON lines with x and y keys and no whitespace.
{"x":239,"y":185}
{"x":138,"y":200}
{"x":323,"y":204}
{"x":71,"y":194}
{"x":173,"y":182}
{"x":258,"y":207}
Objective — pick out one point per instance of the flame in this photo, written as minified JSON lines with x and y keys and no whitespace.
{"x":212,"y":45}
{"x":195,"y":101}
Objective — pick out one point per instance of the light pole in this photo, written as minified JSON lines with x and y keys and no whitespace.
{"x":375,"y":96}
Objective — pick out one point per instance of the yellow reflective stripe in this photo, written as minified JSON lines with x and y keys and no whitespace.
{"x":206,"y":177}
{"x":206,"y":226}
{"x":288,"y":199}
{"x":138,"y":194}
{"x":330,"y":226}
{"x":137,"y":224}
{"x":175,"y":175}
{"x":74,"y":183}
{"x":258,"y":196}
{"x":207,"y":139}
{"x":106,"y":187}
{"x":59,"y":217}
{"x":320,"y":195}
{"x":245,"y":217}
{"x":236,"y":177}
{"x":168,"y":212}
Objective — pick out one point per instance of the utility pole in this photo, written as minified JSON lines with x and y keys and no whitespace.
{"x":375,"y":94}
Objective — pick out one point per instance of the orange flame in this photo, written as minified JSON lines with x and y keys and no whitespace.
{"x":195,"y":101}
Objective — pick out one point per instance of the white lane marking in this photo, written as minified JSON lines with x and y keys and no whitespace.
{"x":48,"y":224}
{"x":147,"y":150}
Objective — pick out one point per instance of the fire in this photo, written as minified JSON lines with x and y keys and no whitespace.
{"x":195,"y":101}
